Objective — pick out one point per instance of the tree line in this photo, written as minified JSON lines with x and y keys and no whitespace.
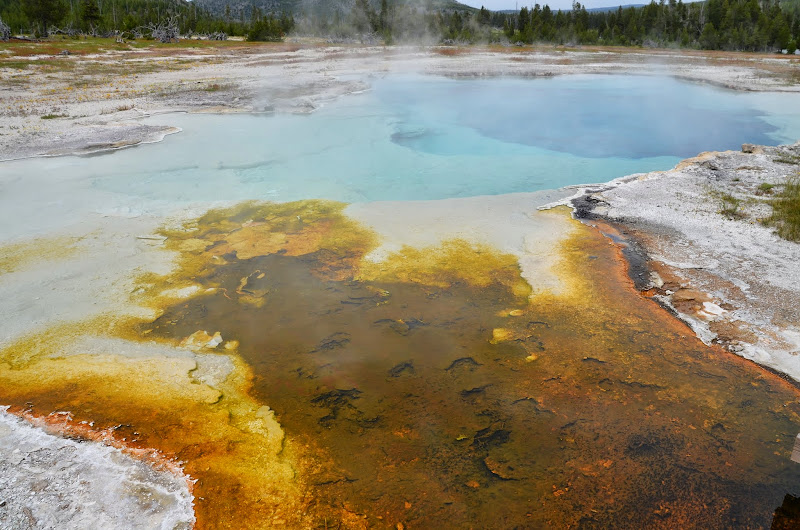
{"x":744,"y":25}
{"x":737,"y":25}
{"x":740,"y":25}
{"x":133,"y":18}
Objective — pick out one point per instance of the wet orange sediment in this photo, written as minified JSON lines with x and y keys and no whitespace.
{"x":231,"y":445}
{"x":720,"y":389}
{"x":62,"y":424}
{"x":429,"y":389}
{"x":224,"y":440}
{"x":679,"y":293}
{"x":435,"y":388}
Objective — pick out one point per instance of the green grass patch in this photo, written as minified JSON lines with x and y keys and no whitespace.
{"x":765,"y":188}
{"x":54,"y":116}
{"x":786,"y":211}
{"x":196,"y":43}
{"x":730,"y":206}
{"x":55,"y":45}
{"x":43,"y":65}
{"x":91,"y":45}
{"x":16,"y":65}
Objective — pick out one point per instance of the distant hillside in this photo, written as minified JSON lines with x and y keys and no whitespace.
{"x":612,"y":8}
{"x":608,"y":9}
{"x":319,"y":7}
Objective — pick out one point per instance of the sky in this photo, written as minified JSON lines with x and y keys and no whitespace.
{"x":496,"y":5}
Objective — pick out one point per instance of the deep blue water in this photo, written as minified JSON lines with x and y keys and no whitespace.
{"x":415,"y":137}
{"x":587,"y":117}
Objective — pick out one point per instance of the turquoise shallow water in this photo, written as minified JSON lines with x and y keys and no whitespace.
{"x":415,"y":137}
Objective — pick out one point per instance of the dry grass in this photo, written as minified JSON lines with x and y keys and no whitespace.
{"x":219,"y":87}
{"x":91,"y":45}
{"x":451,"y":51}
{"x":24,"y":54}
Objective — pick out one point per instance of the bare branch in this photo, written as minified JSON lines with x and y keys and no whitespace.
{"x":5,"y":31}
{"x":166,"y":31}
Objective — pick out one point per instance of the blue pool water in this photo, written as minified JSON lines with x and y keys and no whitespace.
{"x":415,"y":137}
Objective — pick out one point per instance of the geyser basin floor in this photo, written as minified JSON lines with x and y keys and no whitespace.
{"x":292,"y":78}
{"x":431,"y":388}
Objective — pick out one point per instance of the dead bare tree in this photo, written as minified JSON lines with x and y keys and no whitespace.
{"x":166,"y":31}
{"x":69,"y":31}
{"x":370,"y":38}
{"x":5,"y":31}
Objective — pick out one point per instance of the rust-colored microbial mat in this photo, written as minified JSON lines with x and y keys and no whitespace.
{"x":432,"y":390}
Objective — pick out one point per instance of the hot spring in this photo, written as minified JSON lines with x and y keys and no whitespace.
{"x":421,"y":138}
{"x":312,"y":363}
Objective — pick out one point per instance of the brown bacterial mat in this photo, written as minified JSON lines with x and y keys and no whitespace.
{"x":431,"y":390}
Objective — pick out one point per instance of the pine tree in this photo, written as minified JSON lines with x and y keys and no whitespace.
{"x":709,"y":38}
{"x":90,"y":14}
{"x":45,"y":12}
{"x":383,"y":23}
{"x":363,"y":17}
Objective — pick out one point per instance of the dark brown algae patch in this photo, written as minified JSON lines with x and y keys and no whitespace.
{"x":433,"y":390}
